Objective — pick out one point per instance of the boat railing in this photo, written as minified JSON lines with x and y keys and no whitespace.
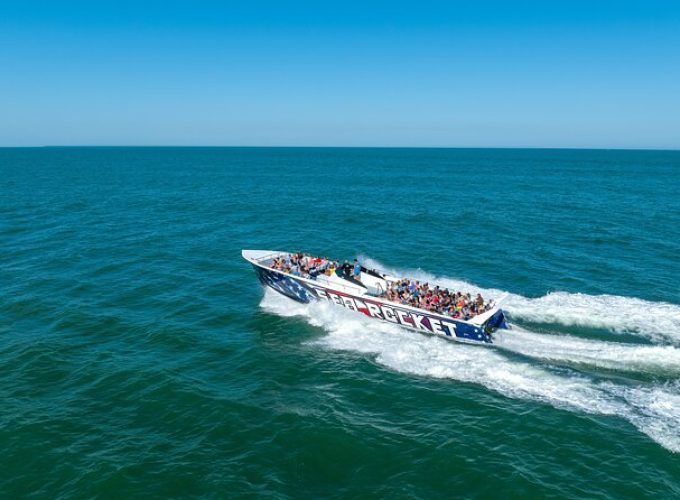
{"x":266,"y":257}
{"x":380,"y":291}
{"x":322,"y":278}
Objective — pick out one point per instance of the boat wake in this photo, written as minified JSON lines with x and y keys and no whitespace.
{"x":522,"y":366}
{"x":655,"y":321}
{"x":659,"y":360}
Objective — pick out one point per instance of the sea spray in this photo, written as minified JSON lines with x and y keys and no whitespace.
{"x":635,"y":358}
{"x":417,"y":354}
{"x":656,"y":321}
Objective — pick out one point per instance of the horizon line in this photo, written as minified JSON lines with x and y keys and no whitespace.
{"x":112,"y":146}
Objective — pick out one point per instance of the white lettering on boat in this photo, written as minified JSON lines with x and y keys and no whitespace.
{"x":361,"y":306}
{"x":374,"y":310}
{"x":349,"y":303}
{"x":391,"y":314}
{"x":450,"y":327}
{"x":336,"y":298}
{"x":437,"y":327}
{"x":388,"y":312}
{"x":421,"y":322}
{"x":404,"y":317}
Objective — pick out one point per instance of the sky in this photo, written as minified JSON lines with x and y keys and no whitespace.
{"x":396,"y":73}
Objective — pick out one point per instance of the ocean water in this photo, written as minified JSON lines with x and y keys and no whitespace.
{"x":139,"y":356}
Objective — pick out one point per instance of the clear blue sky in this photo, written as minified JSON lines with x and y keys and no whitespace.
{"x":469,"y":74}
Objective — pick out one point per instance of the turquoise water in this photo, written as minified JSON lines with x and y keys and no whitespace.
{"x":139,"y":354}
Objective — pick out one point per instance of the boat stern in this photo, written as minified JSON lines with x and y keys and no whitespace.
{"x":496,"y":321}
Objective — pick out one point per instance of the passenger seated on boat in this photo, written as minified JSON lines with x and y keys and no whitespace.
{"x":278,"y":263}
{"x":442,"y":301}
{"x":404,"y":291}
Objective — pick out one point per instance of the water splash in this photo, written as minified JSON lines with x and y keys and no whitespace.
{"x":655,"y":321}
{"x":653,"y":410}
{"x":634,"y":358}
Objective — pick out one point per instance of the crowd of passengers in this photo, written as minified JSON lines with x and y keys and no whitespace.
{"x":438,"y":300}
{"x":408,"y":292}
{"x":309,"y":267}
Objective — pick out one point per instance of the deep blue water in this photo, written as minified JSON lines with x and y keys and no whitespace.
{"x":139,"y":355}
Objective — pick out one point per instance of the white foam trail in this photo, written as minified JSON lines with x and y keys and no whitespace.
{"x":654,"y":411}
{"x":659,"y":360}
{"x":656,"y":321}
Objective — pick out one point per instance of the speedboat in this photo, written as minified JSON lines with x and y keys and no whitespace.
{"x":370,"y":292}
